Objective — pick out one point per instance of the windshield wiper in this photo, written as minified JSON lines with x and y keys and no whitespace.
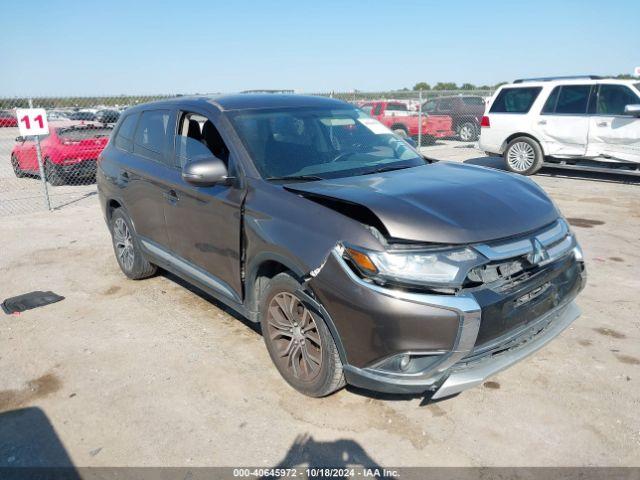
{"x":387,"y":169}
{"x":307,"y":178}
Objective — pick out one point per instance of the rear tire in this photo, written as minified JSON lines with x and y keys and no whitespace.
{"x":298,"y":341}
{"x":523,"y":155}
{"x":52,"y":174}
{"x":15,"y":163}
{"x":468,"y":132}
{"x":127,"y":248}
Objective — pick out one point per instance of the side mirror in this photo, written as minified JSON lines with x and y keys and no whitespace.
{"x":205,"y":171}
{"x":633,"y":110}
{"x":20,"y":139}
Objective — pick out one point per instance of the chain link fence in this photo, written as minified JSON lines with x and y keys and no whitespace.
{"x":79,"y":128}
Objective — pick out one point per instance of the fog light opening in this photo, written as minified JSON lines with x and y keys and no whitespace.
{"x":405,"y":361}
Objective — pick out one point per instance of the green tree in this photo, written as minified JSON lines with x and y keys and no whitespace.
{"x":499,"y":84}
{"x":467,"y":86}
{"x":422,"y":86}
{"x":445,"y":86}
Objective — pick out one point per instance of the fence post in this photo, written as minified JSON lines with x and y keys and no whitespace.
{"x":420,"y":119}
{"x":41,"y":166}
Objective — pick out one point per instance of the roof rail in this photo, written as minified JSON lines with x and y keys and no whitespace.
{"x":549,"y":79}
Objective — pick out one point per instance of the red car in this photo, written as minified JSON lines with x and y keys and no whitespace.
{"x":8,"y":119}
{"x":69,"y":151}
{"x":397,"y":117}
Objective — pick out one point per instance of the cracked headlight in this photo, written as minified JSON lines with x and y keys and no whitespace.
{"x":443,"y":267}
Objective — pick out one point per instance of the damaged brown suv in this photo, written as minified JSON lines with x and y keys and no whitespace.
{"x":364,"y":262}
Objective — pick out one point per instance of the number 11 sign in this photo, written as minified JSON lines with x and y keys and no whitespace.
{"x":32,"y":121}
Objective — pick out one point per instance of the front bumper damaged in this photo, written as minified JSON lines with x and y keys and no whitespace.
{"x":366,"y":318}
{"x":468,"y":375}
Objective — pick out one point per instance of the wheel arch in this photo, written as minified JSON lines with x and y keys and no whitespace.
{"x":111,"y":205}
{"x":400,"y":126}
{"x":259,"y":271}
{"x":521,"y":134}
{"x":464,"y":119}
{"x":266,"y":268}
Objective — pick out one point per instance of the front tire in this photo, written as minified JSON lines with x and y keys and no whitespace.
{"x":523,"y":155}
{"x":127,"y":247}
{"x":298,"y":340}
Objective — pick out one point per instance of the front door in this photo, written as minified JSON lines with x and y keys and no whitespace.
{"x":203,"y":223}
{"x":563,"y":124}
{"x":612,"y":133}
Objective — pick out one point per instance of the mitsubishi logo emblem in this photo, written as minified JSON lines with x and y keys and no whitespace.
{"x":539,"y":253}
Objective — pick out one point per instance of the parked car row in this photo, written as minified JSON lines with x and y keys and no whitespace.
{"x":447,"y":116}
{"x":466,"y":112}
{"x":404,"y":123}
{"x":8,"y":117}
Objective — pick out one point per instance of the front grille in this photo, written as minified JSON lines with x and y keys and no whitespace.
{"x":544,"y":273}
{"x":544,"y":246}
{"x":507,"y":310}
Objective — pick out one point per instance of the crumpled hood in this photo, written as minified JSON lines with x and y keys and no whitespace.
{"x":444,"y":202}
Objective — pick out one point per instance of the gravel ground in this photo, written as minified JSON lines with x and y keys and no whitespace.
{"x":125,"y":373}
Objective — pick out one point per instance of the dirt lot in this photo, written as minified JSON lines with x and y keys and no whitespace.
{"x":125,"y":373}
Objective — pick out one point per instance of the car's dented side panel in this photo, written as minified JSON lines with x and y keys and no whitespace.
{"x":300,"y":245}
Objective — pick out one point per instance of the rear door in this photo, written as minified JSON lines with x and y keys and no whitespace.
{"x":612,"y":133}
{"x":563,"y":123}
{"x":145,"y":171}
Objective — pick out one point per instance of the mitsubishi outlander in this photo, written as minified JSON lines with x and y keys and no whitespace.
{"x":364,"y":262}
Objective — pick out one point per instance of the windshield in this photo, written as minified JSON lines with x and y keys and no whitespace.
{"x":320,"y":143}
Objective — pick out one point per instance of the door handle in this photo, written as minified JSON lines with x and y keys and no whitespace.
{"x":171,"y":196}
{"x":602,"y":124}
{"x":542,"y":122}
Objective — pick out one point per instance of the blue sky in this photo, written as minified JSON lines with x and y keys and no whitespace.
{"x":137,"y":47}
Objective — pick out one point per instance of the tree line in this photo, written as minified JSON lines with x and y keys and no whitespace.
{"x":471,"y":86}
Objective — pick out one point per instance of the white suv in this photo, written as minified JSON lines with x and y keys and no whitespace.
{"x":568,"y":118}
